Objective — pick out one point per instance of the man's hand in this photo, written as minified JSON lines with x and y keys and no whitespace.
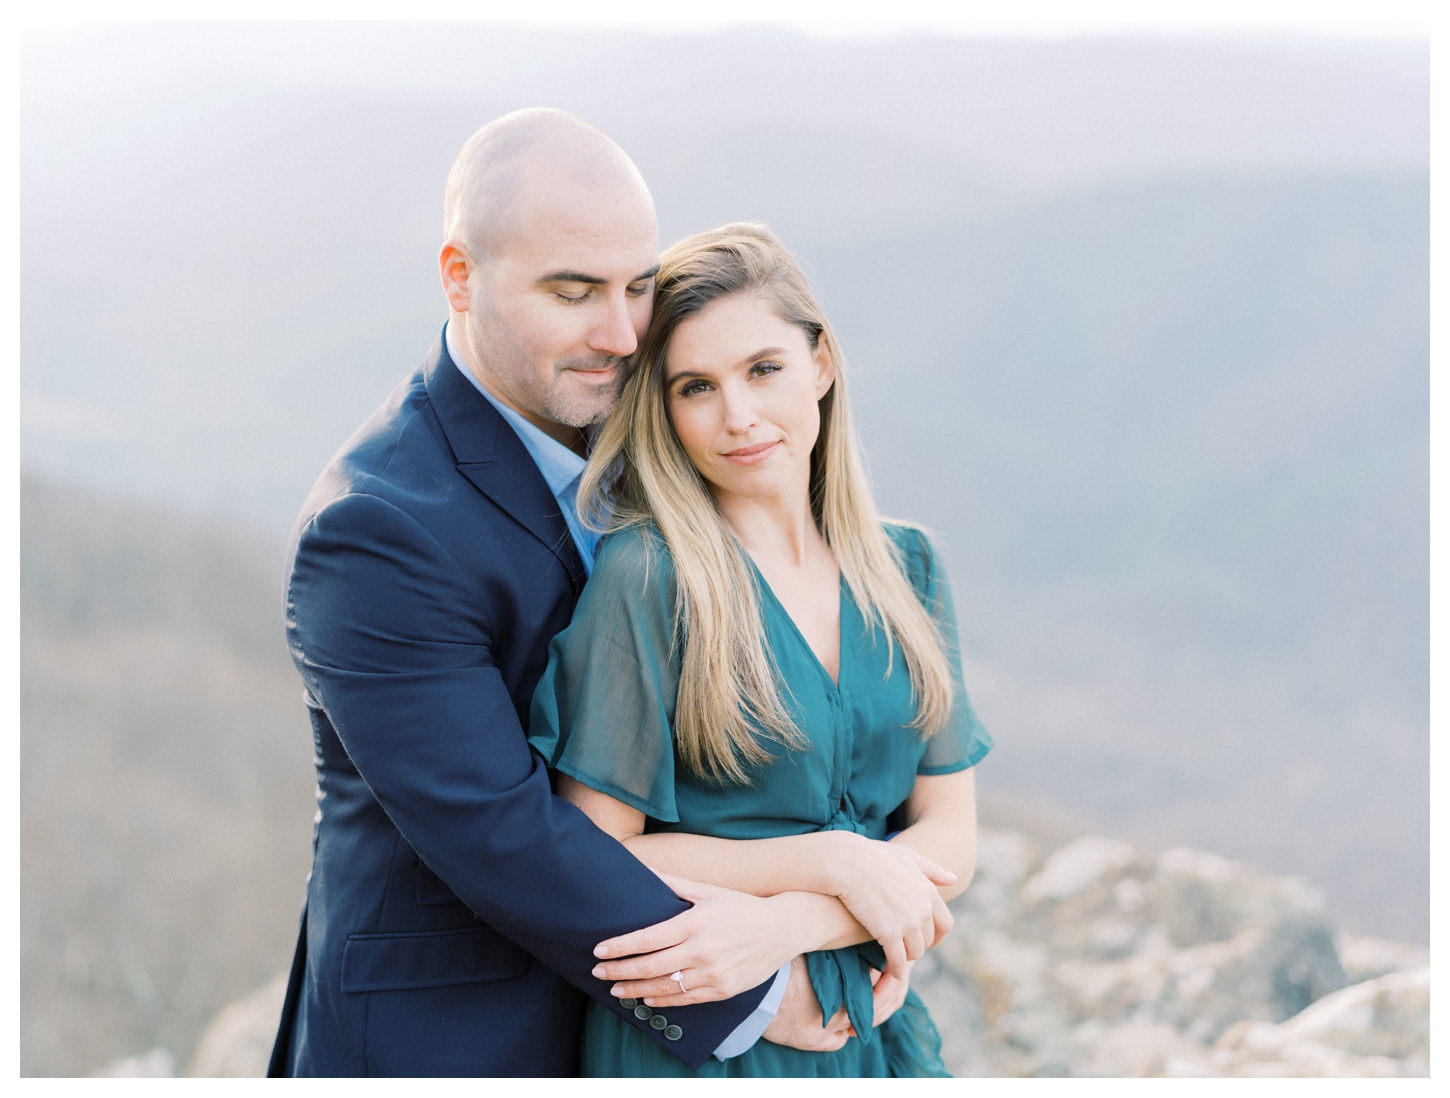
{"x":729,"y":942}
{"x":798,"y":1021}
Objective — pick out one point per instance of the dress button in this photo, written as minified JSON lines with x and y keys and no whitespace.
{"x":642,"y":1012}
{"x":673,"y":1033}
{"x":629,"y":1004}
{"x":659,"y":1021}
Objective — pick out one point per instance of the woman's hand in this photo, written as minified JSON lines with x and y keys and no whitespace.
{"x":888,"y":992}
{"x":727,"y":943}
{"x":892,"y":892}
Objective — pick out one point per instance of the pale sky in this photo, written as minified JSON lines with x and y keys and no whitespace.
{"x":1350,"y":18}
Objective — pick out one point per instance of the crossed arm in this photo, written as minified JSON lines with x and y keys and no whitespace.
{"x":827,"y":889}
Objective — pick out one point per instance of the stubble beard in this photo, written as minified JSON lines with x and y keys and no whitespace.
{"x":582,"y":408}
{"x":562,"y":398}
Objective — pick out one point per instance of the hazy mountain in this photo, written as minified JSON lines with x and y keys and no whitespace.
{"x":165,"y":778}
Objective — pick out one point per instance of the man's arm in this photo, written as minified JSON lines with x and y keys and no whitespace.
{"x":392,"y":639}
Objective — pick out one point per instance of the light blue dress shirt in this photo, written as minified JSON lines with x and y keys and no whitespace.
{"x":560,"y":465}
{"x":561,"y":468}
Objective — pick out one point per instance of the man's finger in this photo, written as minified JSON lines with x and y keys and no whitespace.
{"x":651,"y":939}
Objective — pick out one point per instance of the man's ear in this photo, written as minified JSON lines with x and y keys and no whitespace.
{"x":455,"y":268}
{"x":825,"y":360}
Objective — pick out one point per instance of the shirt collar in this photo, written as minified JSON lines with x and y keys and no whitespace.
{"x":559,"y":464}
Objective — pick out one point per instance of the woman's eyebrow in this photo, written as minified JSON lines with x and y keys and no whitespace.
{"x":766,"y":352}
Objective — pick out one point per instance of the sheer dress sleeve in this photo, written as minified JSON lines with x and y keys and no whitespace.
{"x":603,"y":711}
{"x":963,"y":742}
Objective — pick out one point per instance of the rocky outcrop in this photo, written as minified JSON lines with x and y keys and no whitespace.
{"x":238,"y":1041}
{"x":1096,"y":960}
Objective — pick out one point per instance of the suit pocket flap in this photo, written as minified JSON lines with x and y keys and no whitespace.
{"x":435,"y":958}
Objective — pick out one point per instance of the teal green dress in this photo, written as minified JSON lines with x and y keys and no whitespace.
{"x":604,"y":711}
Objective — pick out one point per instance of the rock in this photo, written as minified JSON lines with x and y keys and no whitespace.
{"x":237,"y":1043}
{"x":1378,"y":1028}
{"x":1095,"y":960}
{"x":1386,"y":1016}
{"x":156,"y":1064}
{"x":1078,"y":865}
{"x":1368,"y":958}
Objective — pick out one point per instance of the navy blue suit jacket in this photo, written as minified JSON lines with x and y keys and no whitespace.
{"x":454,"y":901}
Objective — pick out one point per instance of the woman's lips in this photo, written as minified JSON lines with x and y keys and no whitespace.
{"x":751,"y":455}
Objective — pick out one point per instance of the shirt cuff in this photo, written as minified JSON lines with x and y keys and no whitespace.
{"x":755,"y":1025}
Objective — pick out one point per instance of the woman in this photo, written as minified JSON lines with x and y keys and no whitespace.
{"x":760,"y":670}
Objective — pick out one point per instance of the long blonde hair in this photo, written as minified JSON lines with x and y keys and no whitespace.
{"x":640,"y":473}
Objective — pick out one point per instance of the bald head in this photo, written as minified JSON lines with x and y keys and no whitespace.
{"x":548,"y":267}
{"x":538,"y":161}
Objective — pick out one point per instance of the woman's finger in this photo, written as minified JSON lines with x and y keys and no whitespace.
{"x":895,"y":950}
{"x":934,"y":873}
{"x":942,"y":920}
{"x":915,"y":950}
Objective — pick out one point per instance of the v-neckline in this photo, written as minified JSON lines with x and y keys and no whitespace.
{"x":796,"y":629}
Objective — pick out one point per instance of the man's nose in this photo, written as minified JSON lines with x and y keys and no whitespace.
{"x":614,"y":334}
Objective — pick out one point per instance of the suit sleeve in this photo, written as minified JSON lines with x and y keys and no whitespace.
{"x":394,"y":642}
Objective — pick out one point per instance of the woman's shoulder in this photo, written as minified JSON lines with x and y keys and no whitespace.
{"x":916,"y":549}
{"x":636,"y":553}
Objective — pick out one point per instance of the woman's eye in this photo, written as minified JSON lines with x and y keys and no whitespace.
{"x":765,"y":368}
{"x":690,"y":388}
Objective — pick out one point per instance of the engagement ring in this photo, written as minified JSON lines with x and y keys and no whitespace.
{"x":679,"y":978}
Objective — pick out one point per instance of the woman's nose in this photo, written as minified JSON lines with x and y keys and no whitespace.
{"x":740,"y":413}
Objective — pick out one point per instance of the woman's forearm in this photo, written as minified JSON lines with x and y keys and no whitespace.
{"x":824,"y":921}
{"x":943,"y":826}
{"x":761,"y":867}
{"x":950,"y":845}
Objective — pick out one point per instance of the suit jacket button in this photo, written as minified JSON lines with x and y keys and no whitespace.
{"x":659,"y":1021}
{"x":642,"y":1012}
{"x":629,"y":1004}
{"x":673,"y":1033}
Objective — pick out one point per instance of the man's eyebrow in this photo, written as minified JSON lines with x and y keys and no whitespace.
{"x":592,"y":280}
{"x":573,"y":276}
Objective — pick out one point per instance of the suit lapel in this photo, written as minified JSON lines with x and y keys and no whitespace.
{"x":490,"y":454}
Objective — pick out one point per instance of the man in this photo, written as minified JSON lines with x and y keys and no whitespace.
{"x":454,"y":903}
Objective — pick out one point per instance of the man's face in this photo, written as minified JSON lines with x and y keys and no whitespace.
{"x":563,"y":299}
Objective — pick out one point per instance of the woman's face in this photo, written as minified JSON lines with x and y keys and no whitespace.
{"x":741,"y":389}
